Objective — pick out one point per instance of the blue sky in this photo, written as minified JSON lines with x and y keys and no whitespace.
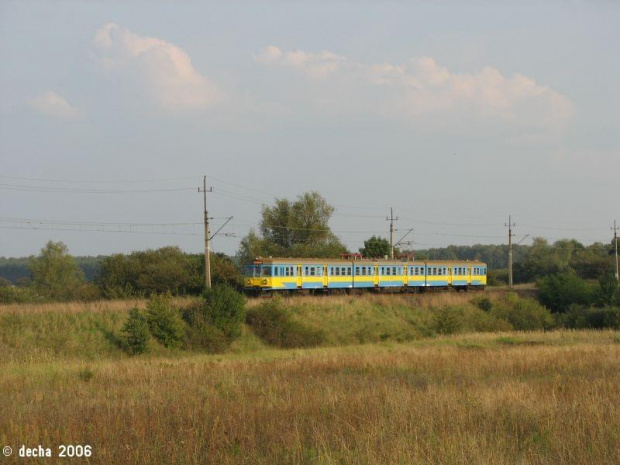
{"x":456,"y":114}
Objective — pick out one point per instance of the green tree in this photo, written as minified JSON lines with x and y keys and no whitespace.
{"x":559,"y":291}
{"x":164,"y":321}
{"x":136,"y":333}
{"x":293,"y":229}
{"x":167,"y":269}
{"x":376,"y":247}
{"x":55,"y":274}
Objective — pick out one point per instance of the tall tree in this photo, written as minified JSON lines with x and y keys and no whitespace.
{"x":297,"y":228}
{"x":55,"y":273}
{"x":376,"y":247}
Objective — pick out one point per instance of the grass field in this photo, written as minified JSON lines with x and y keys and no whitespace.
{"x":506,"y":398}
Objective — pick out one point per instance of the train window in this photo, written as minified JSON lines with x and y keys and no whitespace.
{"x":388,"y":271}
{"x":394,"y":270}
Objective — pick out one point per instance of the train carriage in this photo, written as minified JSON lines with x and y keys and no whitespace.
{"x":267,"y":275}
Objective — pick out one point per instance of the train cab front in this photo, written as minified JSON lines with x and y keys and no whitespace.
{"x":257,"y":278}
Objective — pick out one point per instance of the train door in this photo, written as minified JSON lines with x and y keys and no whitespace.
{"x":299,"y":277}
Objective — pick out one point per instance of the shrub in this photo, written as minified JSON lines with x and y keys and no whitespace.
{"x":590,"y":318}
{"x":136,"y":333}
{"x":524,"y":315}
{"x":18,"y":295}
{"x":225,"y":309}
{"x":484,"y":303}
{"x":164,"y":321}
{"x":447,"y":320}
{"x":608,"y":292}
{"x":274,"y":325}
{"x":215,"y":321}
{"x":561,"y":290}
{"x":497,"y":277}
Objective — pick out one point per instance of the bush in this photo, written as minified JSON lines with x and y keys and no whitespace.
{"x":164,"y":321}
{"x":590,"y":318}
{"x":274,"y":325}
{"x":225,"y":309}
{"x":558,"y":292}
{"x":200,"y":333}
{"x":136,"y":333}
{"x":18,"y":295}
{"x":215,"y":321}
{"x":524,"y":315}
{"x":484,"y":303}
{"x":447,"y":320}
{"x":497,"y":277}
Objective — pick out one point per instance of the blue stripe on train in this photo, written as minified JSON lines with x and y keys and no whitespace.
{"x":340,"y":285}
{"x":385,"y":283}
{"x":312,"y":286}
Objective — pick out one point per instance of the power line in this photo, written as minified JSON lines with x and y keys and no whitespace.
{"x":74,"y":181}
{"x":68,"y":190}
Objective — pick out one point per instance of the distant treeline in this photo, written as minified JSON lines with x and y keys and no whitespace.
{"x":16,"y":270}
{"x":533,"y":262}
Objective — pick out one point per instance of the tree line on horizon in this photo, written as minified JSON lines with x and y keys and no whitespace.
{"x":288,"y":228}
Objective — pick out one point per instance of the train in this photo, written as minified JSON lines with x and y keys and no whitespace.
{"x":267,"y":276}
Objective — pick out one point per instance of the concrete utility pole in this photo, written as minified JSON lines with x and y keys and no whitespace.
{"x":510,"y":225}
{"x":207,"y":246}
{"x":391,"y":219}
{"x":615,"y":228}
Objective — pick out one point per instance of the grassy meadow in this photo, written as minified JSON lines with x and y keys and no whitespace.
{"x":383,"y":388}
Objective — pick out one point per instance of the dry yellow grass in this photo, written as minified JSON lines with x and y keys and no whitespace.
{"x":548,"y":398}
{"x":80,"y":307}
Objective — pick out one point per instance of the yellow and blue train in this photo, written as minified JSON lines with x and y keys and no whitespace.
{"x":311,"y":275}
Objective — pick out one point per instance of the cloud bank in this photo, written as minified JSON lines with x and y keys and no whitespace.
{"x":52,"y":105}
{"x":422,"y":89}
{"x":163,"y":70}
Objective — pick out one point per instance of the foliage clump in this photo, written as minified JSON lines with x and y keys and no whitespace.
{"x":164,"y":321}
{"x":274,"y":325}
{"x":136,"y":333}
{"x":298,"y":228}
{"x":215,"y":320}
{"x":55,"y":273}
{"x":447,"y":320}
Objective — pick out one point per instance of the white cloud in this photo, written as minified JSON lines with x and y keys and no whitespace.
{"x":53,"y":105}
{"x":162,"y":69}
{"x":317,"y":65}
{"x":422,"y":89}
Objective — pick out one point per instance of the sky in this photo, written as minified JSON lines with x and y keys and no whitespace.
{"x":455,"y":114}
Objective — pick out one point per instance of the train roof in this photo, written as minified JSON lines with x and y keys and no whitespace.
{"x":361,"y":262}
